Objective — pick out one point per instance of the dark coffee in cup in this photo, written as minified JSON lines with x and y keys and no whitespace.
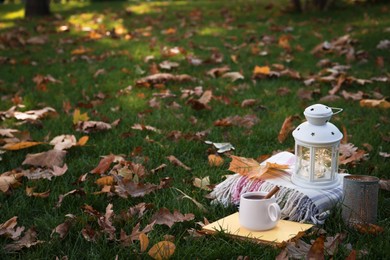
{"x":254,"y":197}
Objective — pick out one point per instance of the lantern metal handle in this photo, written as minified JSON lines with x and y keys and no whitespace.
{"x":339,"y":110}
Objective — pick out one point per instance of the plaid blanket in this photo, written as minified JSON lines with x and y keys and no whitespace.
{"x":296,"y":203}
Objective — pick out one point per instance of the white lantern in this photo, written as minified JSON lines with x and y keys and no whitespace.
{"x":317,"y":149}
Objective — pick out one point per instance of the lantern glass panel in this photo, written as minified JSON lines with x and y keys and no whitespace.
{"x":303,"y":164}
{"x":322,"y":163}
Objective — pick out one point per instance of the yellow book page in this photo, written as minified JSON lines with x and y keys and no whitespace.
{"x":284,"y":231}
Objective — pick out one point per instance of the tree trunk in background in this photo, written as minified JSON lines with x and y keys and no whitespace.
{"x":37,"y":8}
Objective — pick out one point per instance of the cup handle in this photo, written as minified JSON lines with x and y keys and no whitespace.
{"x":274,"y":212}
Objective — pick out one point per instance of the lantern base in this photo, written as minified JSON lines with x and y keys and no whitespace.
{"x":316,"y":185}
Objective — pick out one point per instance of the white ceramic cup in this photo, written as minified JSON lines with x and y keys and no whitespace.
{"x":256,"y":213}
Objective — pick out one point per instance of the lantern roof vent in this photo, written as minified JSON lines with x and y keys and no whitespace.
{"x":318,"y":130}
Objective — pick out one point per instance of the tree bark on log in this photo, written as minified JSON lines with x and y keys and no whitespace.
{"x":37,"y":8}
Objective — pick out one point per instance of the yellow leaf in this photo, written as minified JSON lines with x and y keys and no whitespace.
{"x":19,"y":146}
{"x":381,"y":103}
{"x":77,"y":116}
{"x":106,"y":180}
{"x":265,"y":70}
{"x":83,"y":140}
{"x":215,"y":160}
{"x":144,"y":242}
{"x":162,"y":250}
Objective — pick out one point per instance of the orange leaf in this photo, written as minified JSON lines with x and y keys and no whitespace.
{"x":162,"y":250}
{"x":284,"y":42}
{"x":104,"y":164}
{"x":316,"y":251}
{"x":19,"y":146}
{"x":382,"y":103}
{"x":106,"y":180}
{"x":83,"y":140}
{"x":81,"y":51}
{"x":215,"y":160}
{"x":251,"y":168}
{"x":265,"y":70}
{"x":369,"y":229}
{"x":244,"y":166}
{"x":286,"y":128}
{"x":144,"y":242}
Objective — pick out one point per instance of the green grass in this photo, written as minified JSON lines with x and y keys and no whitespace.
{"x":220,"y":23}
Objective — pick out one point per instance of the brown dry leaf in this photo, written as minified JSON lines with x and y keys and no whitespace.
{"x":99,"y":72}
{"x":349,"y":154}
{"x":104,"y":164}
{"x":384,"y":184}
{"x":135,"y":234}
{"x":62,"y":230}
{"x":45,"y":173}
{"x":317,"y":250}
{"x":202,"y":102}
{"x":106,"y":224}
{"x":159,"y":168}
{"x":162,"y":250}
{"x":105,"y":180}
{"x":340,"y":80}
{"x":177,"y":162}
{"x":48,"y":159}
{"x":72,"y":192}
{"x":38,"y":40}
{"x":203,"y":183}
{"x":381,"y":103}
{"x":34,"y":114}
{"x":217,"y":72}
{"x":77,"y":116}
{"x":90,"y":234}
{"x":233,"y":76}
{"x":63,"y":142}
{"x":168,"y":65}
{"x":286,"y":128}
{"x":20,"y":145}
{"x":215,"y":160}
{"x":248,"y":102}
{"x":247,"y":121}
{"x":9,"y":229}
{"x":7,"y":181}
{"x":144,"y":242}
{"x":125,"y":188}
{"x":92,"y":126}
{"x":145,"y":127}
{"x":161,"y":78}
{"x":28,"y":240}
{"x":165,"y":217}
{"x":30,"y":193}
{"x":8,"y":132}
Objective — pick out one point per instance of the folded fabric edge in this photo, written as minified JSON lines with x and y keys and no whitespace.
{"x":294,"y":205}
